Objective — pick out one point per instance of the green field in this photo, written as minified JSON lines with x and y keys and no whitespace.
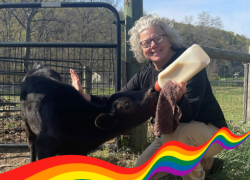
{"x":232,"y":79}
{"x":231,"y":102}
{"x":103,"y":91}
{"x":237,"y":161}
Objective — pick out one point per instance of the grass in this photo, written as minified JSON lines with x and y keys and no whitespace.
{"x":232,"y":79}
{"x":237,"y":161}
{"x":231,"y":102}
{"x":124,"y":157}
{"x":103,"y":91}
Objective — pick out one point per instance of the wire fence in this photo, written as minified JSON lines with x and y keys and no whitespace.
{"x":12,"y":72}
{"x":82,"y":36}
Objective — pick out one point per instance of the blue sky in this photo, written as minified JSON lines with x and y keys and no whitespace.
{"x":235,"y":14}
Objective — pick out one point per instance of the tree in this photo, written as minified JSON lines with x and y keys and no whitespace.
{"x":24,"y":17}
{"x":205,"y":32}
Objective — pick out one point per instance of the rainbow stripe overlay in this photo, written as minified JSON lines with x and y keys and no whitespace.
{"x":173,"y":157}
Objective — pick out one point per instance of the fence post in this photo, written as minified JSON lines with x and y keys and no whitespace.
{"x":245,"y":94}
{"x":87,"y":79}
{"x":124,"y":82}
{"x":124,"y":75}
{"x":246,"y":100}
{"x":133,"y":10}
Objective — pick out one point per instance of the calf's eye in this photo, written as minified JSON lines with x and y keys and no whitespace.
{"x":126,"y":106}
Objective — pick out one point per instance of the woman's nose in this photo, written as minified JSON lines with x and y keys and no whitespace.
{"x":153,"y":44}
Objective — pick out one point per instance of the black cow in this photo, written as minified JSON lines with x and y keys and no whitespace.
{"x":60,"y":121}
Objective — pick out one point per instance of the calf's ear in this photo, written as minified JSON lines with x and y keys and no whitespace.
{"x":105,"y":121}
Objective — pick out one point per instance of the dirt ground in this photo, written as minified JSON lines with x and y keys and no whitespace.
{"x":12,"y":130}
{"x":11,"y":158}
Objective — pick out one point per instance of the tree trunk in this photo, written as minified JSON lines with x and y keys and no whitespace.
{"x":27,"y":38}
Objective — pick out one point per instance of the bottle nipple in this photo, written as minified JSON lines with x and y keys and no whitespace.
{"x":157,"y":87}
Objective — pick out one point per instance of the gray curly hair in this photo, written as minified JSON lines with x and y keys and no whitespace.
{"x":145,"y":22}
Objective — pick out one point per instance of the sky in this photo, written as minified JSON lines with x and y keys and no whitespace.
{"x":235,"y":14}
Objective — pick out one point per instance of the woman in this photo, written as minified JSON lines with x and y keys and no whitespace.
{"x":154,"y":41}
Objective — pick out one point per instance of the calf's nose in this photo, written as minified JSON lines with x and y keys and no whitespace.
{"x":151,"y":90}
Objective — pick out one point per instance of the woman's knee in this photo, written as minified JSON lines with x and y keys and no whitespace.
{"x":149,"y":152}
{"x":194,"y":134}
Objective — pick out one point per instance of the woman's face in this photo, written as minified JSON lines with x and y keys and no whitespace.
{"x":156,"y":52}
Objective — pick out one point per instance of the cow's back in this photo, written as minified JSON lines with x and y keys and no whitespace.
{"x":62,"y":110}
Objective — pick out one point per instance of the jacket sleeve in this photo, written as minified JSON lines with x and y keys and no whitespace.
{"x":133,"y":84}
{"x":191,"y":101}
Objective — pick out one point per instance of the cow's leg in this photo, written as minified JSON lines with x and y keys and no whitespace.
{"x":31,"y":142}
{"x":46,"y":146}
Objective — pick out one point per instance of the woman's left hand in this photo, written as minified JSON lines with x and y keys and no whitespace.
{"x":183,"y":89}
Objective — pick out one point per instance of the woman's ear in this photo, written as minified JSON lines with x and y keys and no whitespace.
{"x":105,"y":121}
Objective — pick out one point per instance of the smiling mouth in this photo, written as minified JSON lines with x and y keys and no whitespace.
{"x":156,"y":52}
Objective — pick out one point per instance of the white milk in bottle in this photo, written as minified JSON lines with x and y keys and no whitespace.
{"x":189,"y":63}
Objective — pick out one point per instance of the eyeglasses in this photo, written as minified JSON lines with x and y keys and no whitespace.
{"x":157,"y":39}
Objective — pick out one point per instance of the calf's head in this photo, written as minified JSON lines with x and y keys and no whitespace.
{"x":126,"y":110}
{"x":40,"y":69}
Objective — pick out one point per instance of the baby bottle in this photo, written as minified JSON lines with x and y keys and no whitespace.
{"x":189,"y":63}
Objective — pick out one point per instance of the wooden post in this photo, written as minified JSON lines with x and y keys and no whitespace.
{"x":124,"y":82}
{"x":246,"y":100}
{"x":224,"y":54}
{"x":133,"y":10}
{"x":124,"y":74}
{"x":245,"y":94}
{"x":87,"y":79}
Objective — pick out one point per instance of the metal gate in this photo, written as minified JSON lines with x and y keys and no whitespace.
{"x":100,"y":71}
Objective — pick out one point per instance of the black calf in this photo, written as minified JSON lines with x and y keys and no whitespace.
{"x":60,"y":121}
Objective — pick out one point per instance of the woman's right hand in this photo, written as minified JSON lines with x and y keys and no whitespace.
{"x":183,"y":88}
{"x":76,"y":84}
